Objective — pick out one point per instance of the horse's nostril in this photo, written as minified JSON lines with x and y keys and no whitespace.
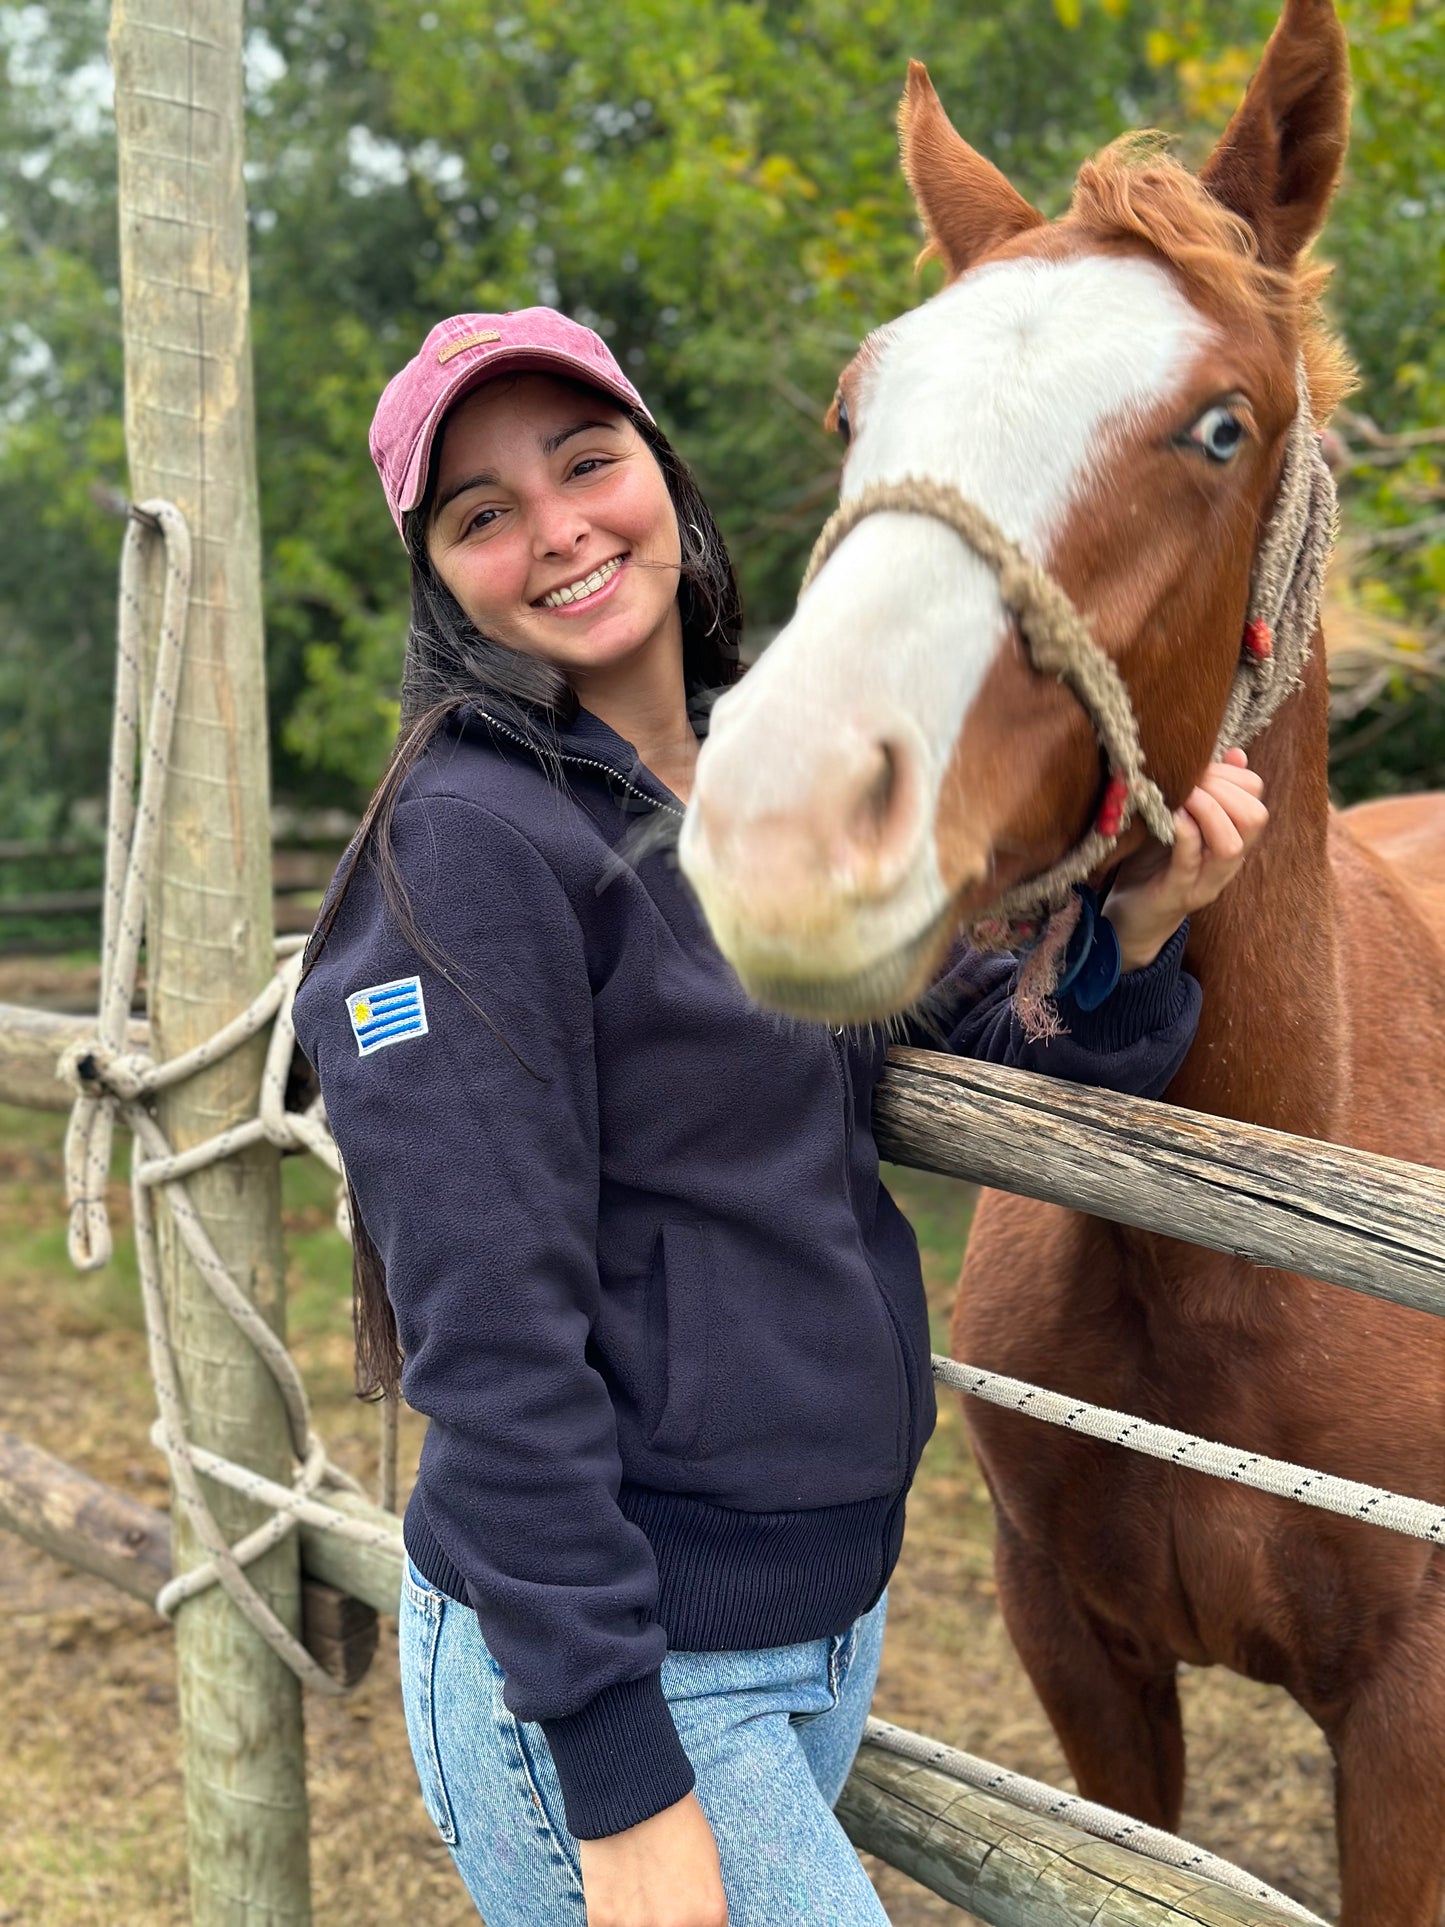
{"x":881,"y":824}
{"x":874,"y":806}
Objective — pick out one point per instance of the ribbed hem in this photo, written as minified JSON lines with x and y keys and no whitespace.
{"x":728,"y":1581}
{"x":1142,"y":1002}
{"x":619,"y":1760}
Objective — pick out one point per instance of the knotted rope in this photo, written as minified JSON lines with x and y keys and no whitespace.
{"x":111,"y":1081}
{"x":1286,"y":582}
{"x":1283,"y":613}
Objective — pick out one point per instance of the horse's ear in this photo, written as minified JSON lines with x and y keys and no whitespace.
{"x":967,"y":205}
{"x":1279,"y":159}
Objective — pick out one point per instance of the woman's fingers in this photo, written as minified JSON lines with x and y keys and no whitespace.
{"x":1241,"y":803}
{"x":1188,"y":851}
{"x":1233,"y":776}
{"x":1216,"y":827}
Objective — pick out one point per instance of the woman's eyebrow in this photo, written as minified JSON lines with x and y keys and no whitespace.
{"x":554,"y":442}
{"x":485,"y":478}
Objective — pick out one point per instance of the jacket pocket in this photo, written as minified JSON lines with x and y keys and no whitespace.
{"x":680,"y":1300}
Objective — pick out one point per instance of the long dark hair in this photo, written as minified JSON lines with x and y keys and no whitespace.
{"x":448,"y":665}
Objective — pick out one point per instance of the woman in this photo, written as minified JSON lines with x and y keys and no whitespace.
{"x":625,"y":1229}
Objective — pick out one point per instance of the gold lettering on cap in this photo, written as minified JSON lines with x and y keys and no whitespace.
{"x":467,"y":341}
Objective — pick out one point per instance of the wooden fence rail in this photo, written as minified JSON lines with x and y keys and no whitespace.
{"x":30,"y":1043}
{"x":298,"y":876}
{"x":1012,"y":1868}
{"x":1348,"y":1217}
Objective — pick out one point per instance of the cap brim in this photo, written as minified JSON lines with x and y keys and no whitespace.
{"x":514,"y":361}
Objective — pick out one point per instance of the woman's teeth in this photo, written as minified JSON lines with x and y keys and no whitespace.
{"x":589,"y":585}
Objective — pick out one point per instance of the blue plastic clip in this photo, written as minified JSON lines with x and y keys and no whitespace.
{"x":1092,"y":962}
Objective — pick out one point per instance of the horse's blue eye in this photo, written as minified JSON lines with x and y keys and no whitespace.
{"x":1219,"y":432}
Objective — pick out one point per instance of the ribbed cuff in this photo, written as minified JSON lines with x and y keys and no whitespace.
{"x":1142,"y":1002}
{"x":619,"y":1760}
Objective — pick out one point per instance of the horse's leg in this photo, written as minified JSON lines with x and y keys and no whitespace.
{"x":1390,"y":1794}
{"x":1116,"y":1714}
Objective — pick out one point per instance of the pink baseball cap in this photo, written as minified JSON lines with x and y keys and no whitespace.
{"x":460,"y":354}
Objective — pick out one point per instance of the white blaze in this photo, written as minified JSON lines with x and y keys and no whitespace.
{"x":1012,"y":384}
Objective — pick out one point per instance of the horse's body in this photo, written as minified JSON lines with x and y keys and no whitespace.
{"x":1118,"y":390}
{"x":1322,"y":969}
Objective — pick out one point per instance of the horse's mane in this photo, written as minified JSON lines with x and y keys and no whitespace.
{"x":1135,"y":189}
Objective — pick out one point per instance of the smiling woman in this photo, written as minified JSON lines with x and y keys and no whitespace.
{"x":618,"y":1232}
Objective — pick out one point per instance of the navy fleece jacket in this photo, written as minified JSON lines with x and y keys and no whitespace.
{"x":667,"y":1325}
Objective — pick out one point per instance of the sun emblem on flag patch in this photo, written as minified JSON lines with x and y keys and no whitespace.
{"x":386,"y":1014}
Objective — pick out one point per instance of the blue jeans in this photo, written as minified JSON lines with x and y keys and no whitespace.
{"x":771,"y":1735}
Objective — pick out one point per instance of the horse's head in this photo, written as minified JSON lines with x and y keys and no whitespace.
{"x":1116,"y":390}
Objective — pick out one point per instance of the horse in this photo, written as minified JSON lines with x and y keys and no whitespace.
{"x":1122,"y":391}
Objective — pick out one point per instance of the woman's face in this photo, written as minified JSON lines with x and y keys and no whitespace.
{"x":553,"y":527}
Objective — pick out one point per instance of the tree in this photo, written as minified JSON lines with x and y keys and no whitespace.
{"x":715,"y":186}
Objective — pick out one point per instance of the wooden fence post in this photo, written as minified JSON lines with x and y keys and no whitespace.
{"x":191,"y":438}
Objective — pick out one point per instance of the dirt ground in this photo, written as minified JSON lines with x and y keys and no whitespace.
{"x":90,"y":1797}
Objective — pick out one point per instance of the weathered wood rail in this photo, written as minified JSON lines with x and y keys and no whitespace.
{"x":1017,"y":1869}
{"x":1348,"y":1217}
{"x":30,"y":1043}
{"x":89,"y":1525}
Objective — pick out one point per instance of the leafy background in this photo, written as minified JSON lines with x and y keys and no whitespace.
{"x":715,"y":187}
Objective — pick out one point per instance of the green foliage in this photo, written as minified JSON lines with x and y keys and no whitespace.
{"x":714,"y":186}
{"x":1388,"y":241}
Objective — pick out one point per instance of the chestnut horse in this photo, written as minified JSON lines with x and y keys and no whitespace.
{"x":1115,"y":389}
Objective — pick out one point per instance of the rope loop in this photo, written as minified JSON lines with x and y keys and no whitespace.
{"x":112,"y":1081}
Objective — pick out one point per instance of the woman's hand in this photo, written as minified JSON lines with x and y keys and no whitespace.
{"x":664,"y":1872}
{"x":1218,"y":826}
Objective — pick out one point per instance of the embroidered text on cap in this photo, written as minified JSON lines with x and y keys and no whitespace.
{"x":451,"y":348}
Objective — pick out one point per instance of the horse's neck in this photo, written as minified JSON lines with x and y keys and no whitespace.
{"x":1273,"y":1042}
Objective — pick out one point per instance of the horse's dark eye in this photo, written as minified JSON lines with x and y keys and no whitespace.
{"x":1219,"y":432}
{"x":845,"y":427}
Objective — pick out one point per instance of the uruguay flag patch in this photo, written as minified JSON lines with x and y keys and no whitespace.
{"x":387,"y":1014}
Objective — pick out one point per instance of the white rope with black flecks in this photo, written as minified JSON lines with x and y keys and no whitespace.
{"x":1370,"y":1504}
{"x":113,"y":1082}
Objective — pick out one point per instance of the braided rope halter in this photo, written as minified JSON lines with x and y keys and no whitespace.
{"x":1283,"y":612}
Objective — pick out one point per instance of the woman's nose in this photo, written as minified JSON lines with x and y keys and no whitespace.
{"x":557,"y":529}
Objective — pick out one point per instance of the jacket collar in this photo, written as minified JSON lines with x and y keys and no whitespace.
{"x":585,"y":743}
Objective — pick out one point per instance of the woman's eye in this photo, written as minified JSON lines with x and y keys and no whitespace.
{"x":845,"y":427}
{"x":1219,"y":432}
{"x":481,"y":520}
{"x":588,"y":463}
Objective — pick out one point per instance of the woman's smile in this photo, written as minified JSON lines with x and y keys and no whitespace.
{"x":584,"y":593}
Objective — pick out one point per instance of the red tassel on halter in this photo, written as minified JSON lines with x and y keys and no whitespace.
{"x":1259,"y":640}
{"x":1111,"y":810}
